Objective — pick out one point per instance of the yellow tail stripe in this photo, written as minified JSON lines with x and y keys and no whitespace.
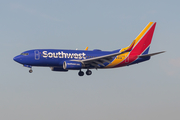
{"x":143,"y":32}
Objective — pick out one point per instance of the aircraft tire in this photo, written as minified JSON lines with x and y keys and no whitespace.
{"x":88,"y":72}
{"x":30,"y":71}
{"x":81,"y":73}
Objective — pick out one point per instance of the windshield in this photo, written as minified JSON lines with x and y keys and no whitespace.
{"x":24,"y":54}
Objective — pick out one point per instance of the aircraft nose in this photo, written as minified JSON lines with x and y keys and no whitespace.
{"x":17,"y":59}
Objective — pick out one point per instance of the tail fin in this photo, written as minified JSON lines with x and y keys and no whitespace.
{"x":138,"y":48}
{"x":143,"y":40}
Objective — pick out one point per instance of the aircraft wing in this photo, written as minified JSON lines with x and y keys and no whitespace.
{"x":96,"y":61}
{"x":103,"y":57}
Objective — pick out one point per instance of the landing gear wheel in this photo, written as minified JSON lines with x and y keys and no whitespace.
{"x":30,"y":71}
{"x":81,"y":73}
{"x":88,"y":72}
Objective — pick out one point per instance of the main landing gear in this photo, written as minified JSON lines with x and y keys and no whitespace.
{"x":81,"y":73}
{"x":88,"y":72}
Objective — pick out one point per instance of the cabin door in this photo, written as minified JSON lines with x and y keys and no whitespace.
{"x":37,"y":55}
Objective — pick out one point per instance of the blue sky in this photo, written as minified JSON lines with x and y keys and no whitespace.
{"x":149,"y":90}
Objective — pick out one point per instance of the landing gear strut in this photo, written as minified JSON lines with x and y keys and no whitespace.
{"x":81,"y":73}
{"x":88,"y":72}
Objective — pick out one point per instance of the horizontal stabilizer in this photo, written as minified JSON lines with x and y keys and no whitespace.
{"x":151,"y":54}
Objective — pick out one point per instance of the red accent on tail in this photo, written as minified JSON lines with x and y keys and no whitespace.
{"x":140,"y":47}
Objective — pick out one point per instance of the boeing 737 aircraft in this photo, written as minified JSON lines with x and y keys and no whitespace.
{"x":64,"y":60}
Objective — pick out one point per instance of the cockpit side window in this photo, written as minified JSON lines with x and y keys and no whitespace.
{"x":25,"y":54}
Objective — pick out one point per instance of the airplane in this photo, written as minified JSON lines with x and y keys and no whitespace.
{"x":63,"y":60}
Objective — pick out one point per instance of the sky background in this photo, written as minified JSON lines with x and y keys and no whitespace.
{"x":147,"y":91}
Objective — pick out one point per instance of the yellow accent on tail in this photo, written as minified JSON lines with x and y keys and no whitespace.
{"x":132,"y":45}
{"x":143,"y":32}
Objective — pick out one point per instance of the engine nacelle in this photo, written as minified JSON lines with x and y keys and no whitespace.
{"x":60,"y":69}
{"x":72,"y":65}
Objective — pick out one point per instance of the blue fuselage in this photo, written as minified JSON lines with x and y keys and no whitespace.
{"x":55,"y":57}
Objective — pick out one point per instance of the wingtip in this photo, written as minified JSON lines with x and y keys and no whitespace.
{"x":86,"y":48}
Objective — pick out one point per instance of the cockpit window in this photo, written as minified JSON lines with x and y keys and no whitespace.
{"x":24,"y":54}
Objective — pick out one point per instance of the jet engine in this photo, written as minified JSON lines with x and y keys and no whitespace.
{"x":72,"y":65}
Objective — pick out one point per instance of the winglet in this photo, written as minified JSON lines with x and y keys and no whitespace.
{"x":131,"y":46}
{"x":86,"y":48}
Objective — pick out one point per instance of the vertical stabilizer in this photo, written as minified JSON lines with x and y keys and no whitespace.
{"x":141,"y":46}
{"x":143,"y":40}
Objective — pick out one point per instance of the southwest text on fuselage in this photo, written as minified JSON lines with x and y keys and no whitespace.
{"x":61,"y":54}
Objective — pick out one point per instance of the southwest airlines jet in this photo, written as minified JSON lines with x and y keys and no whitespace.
{"x":64,"y":60}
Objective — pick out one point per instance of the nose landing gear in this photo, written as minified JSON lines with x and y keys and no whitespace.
{"x":30,"y":71}
{"x":28,"y":66}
